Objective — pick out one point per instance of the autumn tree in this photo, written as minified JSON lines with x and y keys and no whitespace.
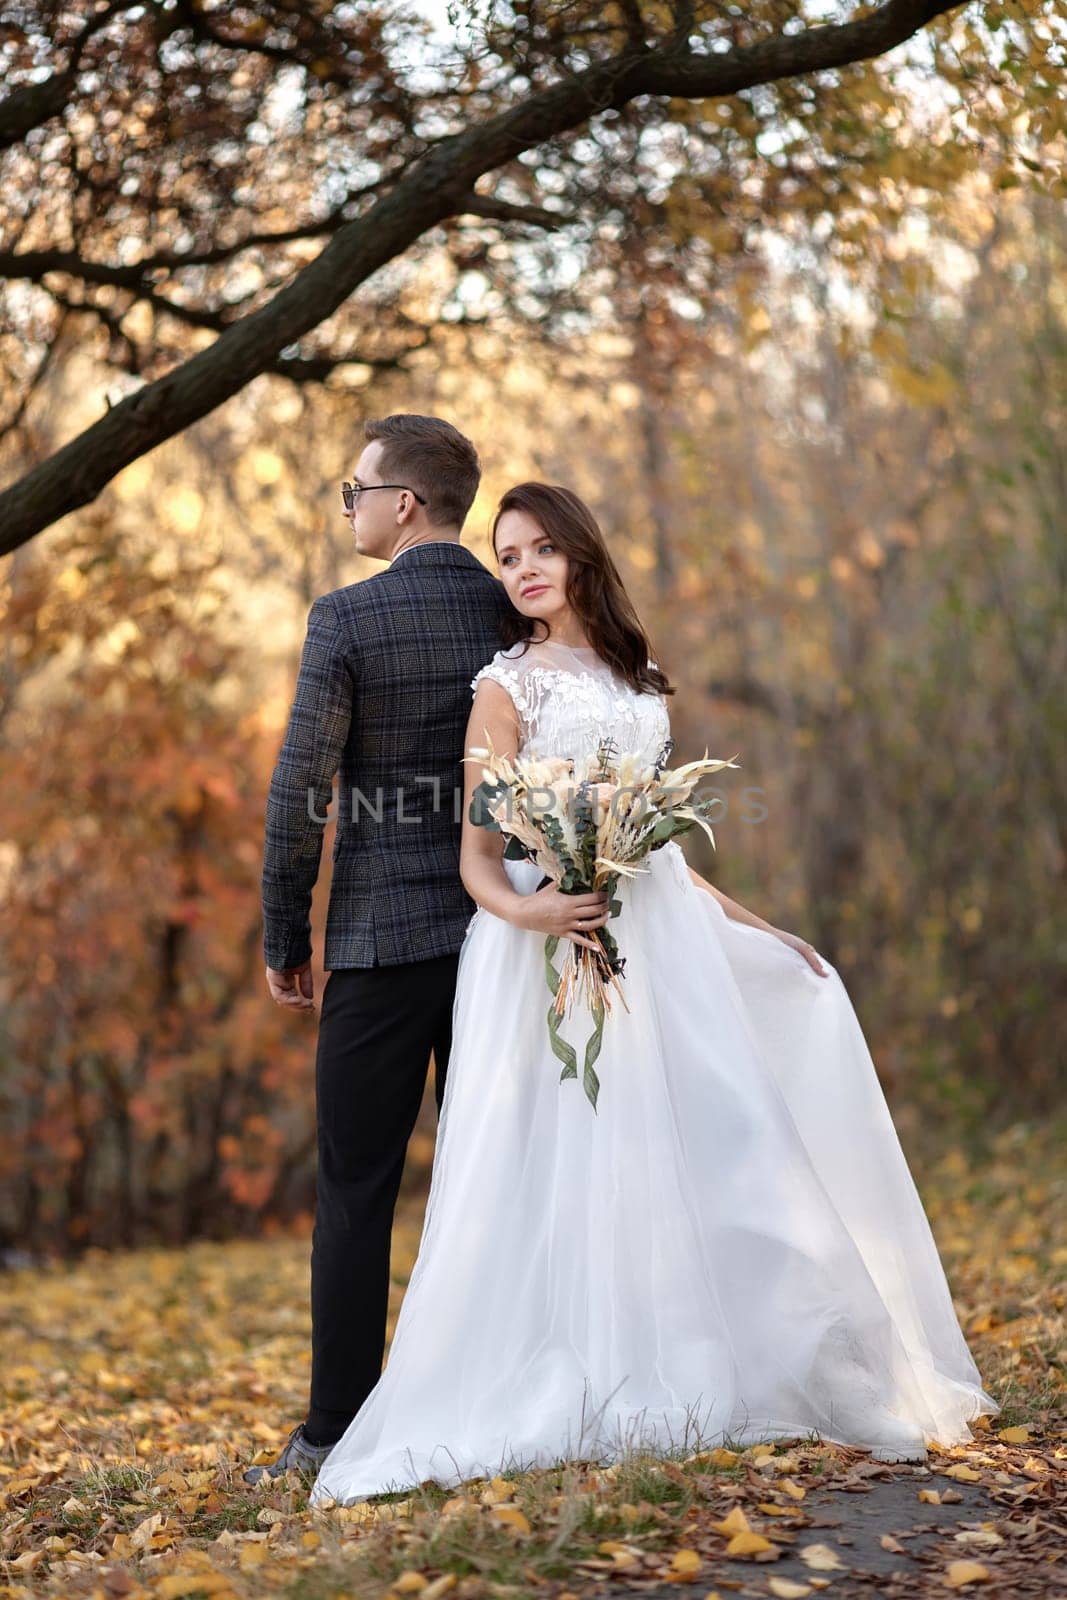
{"x":219,"y":189}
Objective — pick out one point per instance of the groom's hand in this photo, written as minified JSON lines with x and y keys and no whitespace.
{"x":294,"y":987}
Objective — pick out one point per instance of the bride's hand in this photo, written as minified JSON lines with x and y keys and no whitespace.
{"x":567,"y":916}
{"x":811,"y":955}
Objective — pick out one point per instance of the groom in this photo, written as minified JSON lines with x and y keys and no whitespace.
{"x":383,"y":693}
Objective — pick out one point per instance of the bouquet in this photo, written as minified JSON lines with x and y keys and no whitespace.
{"x":587,"y":824}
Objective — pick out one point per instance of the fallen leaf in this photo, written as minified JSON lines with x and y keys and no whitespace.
{"x":141,"y":1537}
{"x":177,"y":1584}
{"x":439,"y":1586}
{"x":821,"y":1558}
{"x":497,"y":1491}
{"x":734,"y":1522}
{"x":961,"y":1573}
{"x":748,"y":1544}
{"x":511,"y":1517}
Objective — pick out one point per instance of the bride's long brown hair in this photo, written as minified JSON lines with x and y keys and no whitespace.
{"x":595,"y":590}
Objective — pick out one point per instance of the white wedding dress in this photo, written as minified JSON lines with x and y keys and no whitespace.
{"x":729,"y":1249}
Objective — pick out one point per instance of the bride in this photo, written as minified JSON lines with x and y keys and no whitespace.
{"x":731,"y":1247}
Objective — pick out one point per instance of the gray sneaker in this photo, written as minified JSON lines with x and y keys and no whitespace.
{"x":298,"y":1454}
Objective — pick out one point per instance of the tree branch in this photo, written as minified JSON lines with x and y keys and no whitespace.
{"x":438,"y":185}
{"x":487,"y":205}
{"x":32,"y":104}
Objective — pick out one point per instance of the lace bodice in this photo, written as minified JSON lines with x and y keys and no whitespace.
{"x":568,"y":699}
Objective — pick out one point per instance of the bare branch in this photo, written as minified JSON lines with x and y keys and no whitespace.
{"x":32,"y":104}
{"x":486,"y":205}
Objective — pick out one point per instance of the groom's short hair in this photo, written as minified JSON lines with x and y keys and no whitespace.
{"x":431,"y":457}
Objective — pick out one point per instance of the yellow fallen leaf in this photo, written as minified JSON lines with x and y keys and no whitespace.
{"x":786,"y":1589}
{"x":722,"y":1458}
{"x":821,"y":1558}
{"x":141,"y":1537}
{"x":1014,"y":1435}
{"x":684,"y":1563}
{"x":987,"y":1538}
{"x":177,"y":1584}
{"x":887,"y":1542}
{"x":623,"y":1555}
{"x":497,"y":1492}
{"x":769,"y":1509}
{"x":748,"y":1544}
{"x":793,"y":1490}
{"x":929,"y":1497}
{"x":511,"y":1517}
{"x":961,"y":1573}
{"x":439,"y":1586}
{"x":735,"y":1522}
{"x":409,"y":1583}
{"x":962,"y":1473}
{"x":251,"y":1555}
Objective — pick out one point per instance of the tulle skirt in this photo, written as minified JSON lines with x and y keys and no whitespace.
{"x":729,"y":1249}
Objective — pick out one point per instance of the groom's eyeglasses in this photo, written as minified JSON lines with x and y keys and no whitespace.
{"x":350,"y":492}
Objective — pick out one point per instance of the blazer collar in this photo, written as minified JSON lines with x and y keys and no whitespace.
{"x":438,"y":553}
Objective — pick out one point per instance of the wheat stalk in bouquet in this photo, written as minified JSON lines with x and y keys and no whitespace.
{"x":587,"y":823}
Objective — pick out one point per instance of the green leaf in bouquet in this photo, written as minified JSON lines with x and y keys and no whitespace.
{"x":553,"y":832}
{"x":484,"y":796}
{"x":515,"y":850}
{"x":587,"y":831}
{"x":590,"y":1081}
{"x":610,"y":946}
{"x":560,"y":1048}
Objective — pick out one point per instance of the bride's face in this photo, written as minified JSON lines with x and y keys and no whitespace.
{"x":532,"y":569}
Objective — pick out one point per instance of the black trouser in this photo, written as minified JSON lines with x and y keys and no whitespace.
{"x":377,"y":1028}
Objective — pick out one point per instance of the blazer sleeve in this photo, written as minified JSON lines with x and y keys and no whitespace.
{"x":301,"y":787}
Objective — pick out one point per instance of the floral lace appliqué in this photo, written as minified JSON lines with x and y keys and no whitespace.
{"x":565,"y":713}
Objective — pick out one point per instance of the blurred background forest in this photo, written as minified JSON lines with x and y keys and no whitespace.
{"x":805,"y":354}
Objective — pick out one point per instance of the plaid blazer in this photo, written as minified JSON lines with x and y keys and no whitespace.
{"x":384,"y":694}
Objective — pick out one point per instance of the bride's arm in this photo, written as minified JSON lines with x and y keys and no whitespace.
{"x":481,"y":852}
{"x":739,"y":913}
